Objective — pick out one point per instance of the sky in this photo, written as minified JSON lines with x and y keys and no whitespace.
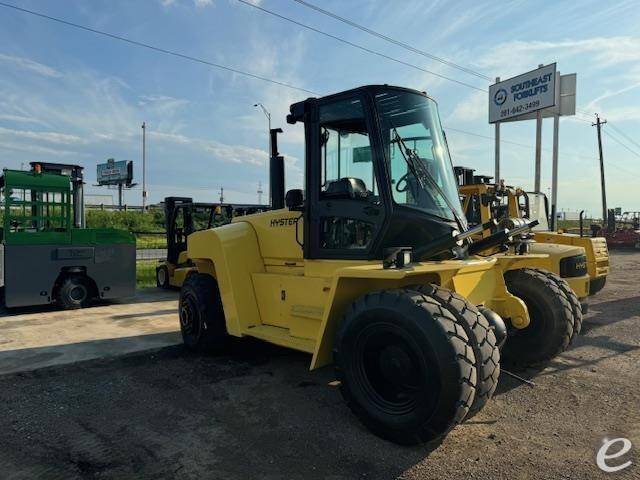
{"x":71,"y":96}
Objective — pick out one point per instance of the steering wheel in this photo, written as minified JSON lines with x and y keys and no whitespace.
{"x":399,"y":182}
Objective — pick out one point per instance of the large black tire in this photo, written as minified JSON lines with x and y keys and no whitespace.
{"x":481,"y":336}
{"x":551,"y":319}
{"x":595,"y":285}
{"x":74,"y":292}
{"x":576,"y":307}
{"x":162,"y":277}
{"x":202,"y":321}
{"x":406,"y":366}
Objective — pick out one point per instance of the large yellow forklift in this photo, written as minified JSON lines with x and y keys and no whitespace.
{"x":372,"y":269}
{"x":571,"y":255}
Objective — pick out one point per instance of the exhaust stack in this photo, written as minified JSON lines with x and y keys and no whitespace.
{"x":276,"y":172}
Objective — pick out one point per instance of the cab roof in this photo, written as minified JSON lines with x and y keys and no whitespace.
{"x":297,"y":109}
{"x":27,"y":179}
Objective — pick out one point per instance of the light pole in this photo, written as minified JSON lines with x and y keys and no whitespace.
{"x":268,"y":115}
{"x":144,"y":166}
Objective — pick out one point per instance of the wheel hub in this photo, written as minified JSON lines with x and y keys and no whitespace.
{"x":78,"y":293}
{"x":187,"y":317}
{"x":395,"y":365}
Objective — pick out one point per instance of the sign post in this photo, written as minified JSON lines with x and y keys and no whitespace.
{"x":497,"y":140}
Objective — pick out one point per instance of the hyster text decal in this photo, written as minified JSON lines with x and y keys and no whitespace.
{"x":283,"y":222}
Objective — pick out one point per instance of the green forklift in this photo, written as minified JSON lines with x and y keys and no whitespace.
{"x":47,"y":255}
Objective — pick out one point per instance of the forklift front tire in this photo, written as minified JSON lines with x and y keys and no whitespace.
{"x":162,"y":277}
{"x":406,"y":366}
{"x":74,"y":292}
{"x":551,"y":319}
{"x":202,"y":321}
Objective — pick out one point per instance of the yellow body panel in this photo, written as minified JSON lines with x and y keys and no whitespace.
{"x":179,"y":275}
{"x":595,"y":248}
{"x":270,"y":292}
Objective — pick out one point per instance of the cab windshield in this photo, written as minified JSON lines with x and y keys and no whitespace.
{"x":419,"y":164}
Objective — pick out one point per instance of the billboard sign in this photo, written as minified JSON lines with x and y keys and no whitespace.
{"x":114,"y":173}
{"x":565,"y":100}
{"x":523,"y":94}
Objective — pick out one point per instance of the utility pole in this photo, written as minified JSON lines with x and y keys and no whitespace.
{"x":221,"y":195}
{"x":260,"y":192}
{"x":144,"y":167}
{"x":598,"y":126}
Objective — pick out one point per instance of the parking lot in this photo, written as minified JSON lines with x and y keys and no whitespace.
{"x":106,"y":406}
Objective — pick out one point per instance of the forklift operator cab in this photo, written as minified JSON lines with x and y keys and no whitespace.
{"x":369,"y":181}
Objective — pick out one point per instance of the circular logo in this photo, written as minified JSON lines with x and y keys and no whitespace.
{"x":500,"y":97}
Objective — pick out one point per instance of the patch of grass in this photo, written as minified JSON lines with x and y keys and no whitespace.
{"x":132,"y":221}
{"x":151,"y":241}
{"x":146,"y":273}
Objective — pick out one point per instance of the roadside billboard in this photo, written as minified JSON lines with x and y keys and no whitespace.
{"x":114,"y":173}
{"x":529,"y":92}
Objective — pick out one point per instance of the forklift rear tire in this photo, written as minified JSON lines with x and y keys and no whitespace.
{"x":202,"y":321}
{"x":162,"y":277}
{"x":74,"y":292}
{"x":551,"y":319}
{"x":597,"y":284}
{"x":576,"y":306}
{"x":406,"y":366}
{"x":483,"y":340}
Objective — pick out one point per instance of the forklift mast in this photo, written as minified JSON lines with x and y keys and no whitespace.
{"x":75,"y":173}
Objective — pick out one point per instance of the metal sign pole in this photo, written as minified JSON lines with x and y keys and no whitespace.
{"x":497,"y":146}
{"x":554,"y":173}
{"x":536,"y":188}
{"x":538,"y":146}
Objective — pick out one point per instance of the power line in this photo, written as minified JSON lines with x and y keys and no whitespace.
{"x":358,"y":46}
{"x":627,"y":137}
{"x":157,"y":49}
{"x":391,"y":40}
{"x":621,"y":144}
{"x":532,"y":147}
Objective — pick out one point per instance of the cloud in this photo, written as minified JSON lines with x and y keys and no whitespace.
{"x":30,"y":65}
{"x":510,"y":58}
{"x":21,"y":119}
{"x":203,"y":3}
{"x":238,"y":154}
{"x":37,"y":149}
{"x":472,"y":108}
{"x":162,"y":104}
{"x":49,"y":137}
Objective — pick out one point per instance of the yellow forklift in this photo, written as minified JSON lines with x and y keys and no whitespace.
{"x":373,"y":269}
{"x":183,"y":217}
{"x":571,"y":255}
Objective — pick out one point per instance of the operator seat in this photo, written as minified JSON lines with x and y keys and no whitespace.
{"x":348,"y":188}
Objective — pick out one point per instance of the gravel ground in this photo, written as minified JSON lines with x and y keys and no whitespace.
{"x":258,"y":413}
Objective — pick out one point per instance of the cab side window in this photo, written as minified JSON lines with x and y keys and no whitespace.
{"x":347,"y":165}
{"x":347,"y":174}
